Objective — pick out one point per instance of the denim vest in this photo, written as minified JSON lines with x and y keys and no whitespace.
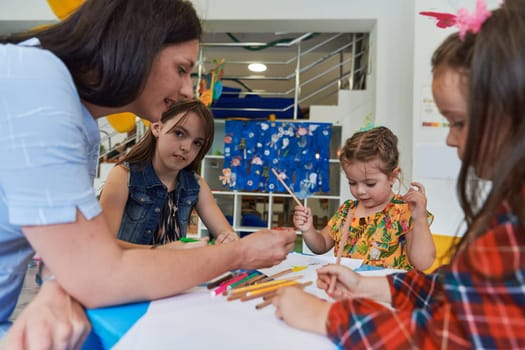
{"x":146,"y":199}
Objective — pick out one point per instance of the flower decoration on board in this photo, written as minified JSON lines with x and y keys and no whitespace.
{"x":464,"y":20}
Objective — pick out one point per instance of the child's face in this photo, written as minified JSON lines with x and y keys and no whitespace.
{"x":371,"y":187}
{"x":450,"y":90}
{"x":178,"y":145}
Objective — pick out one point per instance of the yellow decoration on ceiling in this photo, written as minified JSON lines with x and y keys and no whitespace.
{"x":63,"y":8}
{"x":122,"y":122}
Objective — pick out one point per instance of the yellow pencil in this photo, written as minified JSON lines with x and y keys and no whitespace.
{"x":260,"y":292}
{"x":262,"y":285}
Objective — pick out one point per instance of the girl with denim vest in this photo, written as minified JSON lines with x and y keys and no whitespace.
{"x":149,"y":195}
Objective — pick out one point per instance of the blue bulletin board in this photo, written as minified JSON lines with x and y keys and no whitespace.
{"x":298,"y":151}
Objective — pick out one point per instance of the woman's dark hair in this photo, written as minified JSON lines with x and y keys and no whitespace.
{"x":109,"y":45}
{"x":143,"y":152}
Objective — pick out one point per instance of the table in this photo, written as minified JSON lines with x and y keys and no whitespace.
{"x":197,"y":320}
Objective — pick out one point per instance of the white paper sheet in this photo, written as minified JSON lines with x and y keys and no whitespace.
{"x":196,"y":320}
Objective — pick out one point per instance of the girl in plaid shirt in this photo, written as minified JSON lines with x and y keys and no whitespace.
{"x":478,"y":300}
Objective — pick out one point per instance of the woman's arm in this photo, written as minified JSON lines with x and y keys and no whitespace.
{"x":89,"y":265}
{"x":212,"y":215}
{"x":113,"y":199}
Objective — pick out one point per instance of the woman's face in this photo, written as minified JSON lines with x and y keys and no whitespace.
{"x":450,"y":89}
{"x":169,"y":80}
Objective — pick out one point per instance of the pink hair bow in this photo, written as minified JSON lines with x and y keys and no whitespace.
{"x":463,"y":19}
{"x":472,"y":22}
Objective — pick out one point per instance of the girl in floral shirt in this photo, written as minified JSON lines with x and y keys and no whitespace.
{"x":386,"y":229}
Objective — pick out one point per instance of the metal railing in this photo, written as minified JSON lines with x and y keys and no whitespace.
{"x":310,"y":71}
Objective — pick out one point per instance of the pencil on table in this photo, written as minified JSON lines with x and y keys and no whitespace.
{"x":342,"y":244}
{"x":265,"y":291}
{"x":224,"y":285}
{"x":257,"y":279}
{"x":268,"y":298}
{"x":258,"y":286}
{"x":244,"y":281}
{"x":215,"y":283}
{"x":287,"y":188}
{"x":243,"y":292}
{"x":284,"y":272}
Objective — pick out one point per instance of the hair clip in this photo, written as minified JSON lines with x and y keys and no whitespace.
{"x":472,"y":22}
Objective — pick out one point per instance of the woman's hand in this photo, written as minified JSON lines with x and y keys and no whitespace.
{"x":301,"y":310}
{"x":53,"y":320}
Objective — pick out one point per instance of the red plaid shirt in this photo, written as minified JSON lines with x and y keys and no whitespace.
{"x":478,"y":301}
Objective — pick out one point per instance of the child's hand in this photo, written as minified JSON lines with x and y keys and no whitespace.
{"x":302,"y":218}
{"x":417,"y":201}
{"x":301,"y":310}
{"x":226,"y":237}
{"x":346,"y":284}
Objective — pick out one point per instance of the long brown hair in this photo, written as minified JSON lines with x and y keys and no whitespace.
{"x":142,"y":153}
{"x":497,"y":115}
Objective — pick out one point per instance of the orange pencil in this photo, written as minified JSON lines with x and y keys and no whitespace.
{"x":268,"y":298}
{"x":264,"y":291}
{"x":258,"y":286}
{"x":342,"y":244}
{"x":287,"y":188}
{"x":284,"y":272}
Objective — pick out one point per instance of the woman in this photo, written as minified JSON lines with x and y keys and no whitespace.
{"x":108,"y":57}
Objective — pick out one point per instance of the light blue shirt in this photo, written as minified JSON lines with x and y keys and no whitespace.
{"x":48,"y":154}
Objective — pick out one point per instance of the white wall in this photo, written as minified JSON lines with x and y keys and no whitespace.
{"x":430,"y":154}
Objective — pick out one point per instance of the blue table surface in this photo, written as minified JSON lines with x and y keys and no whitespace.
{"x":111,"y":323}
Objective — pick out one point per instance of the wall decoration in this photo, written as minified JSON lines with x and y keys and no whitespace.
{"x":298,"y":151}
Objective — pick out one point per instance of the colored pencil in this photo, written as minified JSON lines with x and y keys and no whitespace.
{"x":284,"y":272}
{"x":287,"y":188}
{"x":268,"y":298}
{"x":342,"y":244}
{"x":262,"y":285}
{"x":224,"y":285}
{"x":257,"y":279}
{"x":244,"y":281}
{"x":215,"y":283}
{"x":264,"y":291}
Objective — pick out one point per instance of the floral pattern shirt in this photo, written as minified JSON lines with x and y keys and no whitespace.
{"x":379,"y":239}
